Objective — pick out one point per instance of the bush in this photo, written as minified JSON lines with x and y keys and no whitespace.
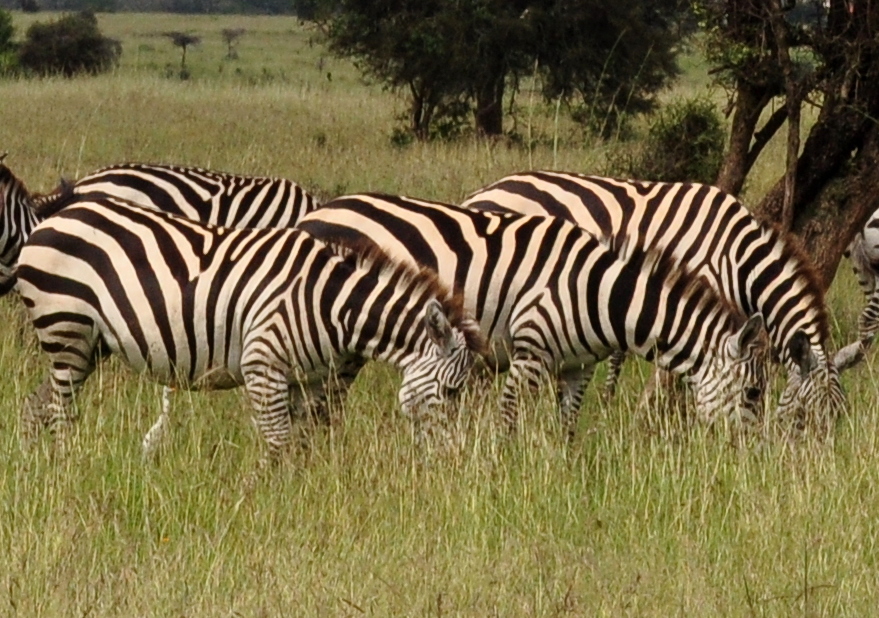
{"x":68,"y":46}
{"x":684,"y":144}
{"x":7,"y":31}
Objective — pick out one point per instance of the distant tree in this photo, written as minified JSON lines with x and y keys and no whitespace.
{"x":71,"y":45}
{"x":608,"y":58}
{"x":183,"y":40}
{"x":231,"y":36}
{"x":8,"y":61}
{"x":30,"y":6}
{"x":443,"y":53}
{"x":7,"y":31}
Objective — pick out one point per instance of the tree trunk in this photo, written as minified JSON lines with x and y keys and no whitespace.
{"x":490,"y":105}
{"x":750,"y":102}
{"x":840,"y":210}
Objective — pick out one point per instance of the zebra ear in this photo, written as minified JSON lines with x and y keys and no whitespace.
{"x":747,"y":335}
{"x":800,"y":351}
{"x":439,"y":329}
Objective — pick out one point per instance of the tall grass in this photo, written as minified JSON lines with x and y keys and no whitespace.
{"x":639,"y":516}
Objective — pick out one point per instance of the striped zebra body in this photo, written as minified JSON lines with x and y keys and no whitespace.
{"x":206,"y":196}
{"x":863,"y":251}
{"x":203,"y":307}
{"x":552,"y":300}
{"x":713,"y":234}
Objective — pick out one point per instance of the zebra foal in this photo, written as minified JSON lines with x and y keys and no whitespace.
{"x":552,"y":300}
{"x":709,"y":232}
{"x":204,"y":307}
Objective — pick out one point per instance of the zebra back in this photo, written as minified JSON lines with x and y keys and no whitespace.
{"x":211,"y":197}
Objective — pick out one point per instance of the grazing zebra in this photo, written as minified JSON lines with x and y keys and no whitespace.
{"x":713,"y":234}
{"x":863,"y":251}
{"x":204,"y":307}
{"x":206,"y":196}
{"x":552,"y":300}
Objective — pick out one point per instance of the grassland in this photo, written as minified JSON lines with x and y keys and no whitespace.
{"x":638,"y":517}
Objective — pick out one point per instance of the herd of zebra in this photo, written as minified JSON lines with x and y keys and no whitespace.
{"x":206,"y":280}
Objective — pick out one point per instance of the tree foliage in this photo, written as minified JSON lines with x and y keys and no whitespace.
{"x":609,"y":57}
{"x":68,"y":46}
{"x":684,"y":144}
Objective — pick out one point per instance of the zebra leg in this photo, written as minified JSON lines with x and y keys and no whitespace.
{"x":571,"y":386}
{"x":614,"y":367}
{"x":156,"y":435}
{"x":48,"y":407}
{"x":319,"y":408}
{"x":527,"y":372}
{"x":268,"y":390}
{"x":35,"y":413}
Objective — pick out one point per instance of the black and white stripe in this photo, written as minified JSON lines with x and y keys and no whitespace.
{"x":17,"y":219}
{"x":552,"y":300}
{"x":863,"y":251}
{"x":713,"y":234}
{"x":202,"y":307}
{"x":208,"y":196}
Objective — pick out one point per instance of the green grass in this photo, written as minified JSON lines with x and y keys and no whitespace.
{"x":638,"y":517}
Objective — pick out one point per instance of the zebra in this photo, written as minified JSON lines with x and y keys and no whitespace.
{"x":712,"y":233}
{"x":202,"y":195}
{"x":207,"y":196}
{"x":552,"y":300}
{"x":204,"y":307}
{"x":863,"y":252}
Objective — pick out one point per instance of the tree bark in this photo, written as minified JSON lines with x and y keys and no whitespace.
{"x":490,"y":105}
{"x":840,"y":210}
{"x":750,"y":102}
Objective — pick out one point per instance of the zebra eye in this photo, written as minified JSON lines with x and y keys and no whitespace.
{"x":753,"y":393}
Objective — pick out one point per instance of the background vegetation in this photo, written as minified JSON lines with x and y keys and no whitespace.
{"x":640,"y":516}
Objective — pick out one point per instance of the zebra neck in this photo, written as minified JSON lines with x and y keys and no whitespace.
{"x":382,"y":324}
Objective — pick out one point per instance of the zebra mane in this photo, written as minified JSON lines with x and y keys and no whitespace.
{"x":367,"y":255}
{"x":47,"y":204}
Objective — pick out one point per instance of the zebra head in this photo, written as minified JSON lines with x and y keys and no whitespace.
{"x":435,"y":374}
{"x":731,"y":384}
{"x":813,"y":396}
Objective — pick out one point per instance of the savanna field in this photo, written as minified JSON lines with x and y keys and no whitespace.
{"x":639,"y":516}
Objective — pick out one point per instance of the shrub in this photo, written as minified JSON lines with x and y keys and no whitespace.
{"x":7,"y":31}
{"x":684,"y":144}
{"x":68,"y":46}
